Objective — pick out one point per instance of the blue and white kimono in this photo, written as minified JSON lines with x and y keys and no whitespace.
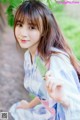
{"x":34,"y":83}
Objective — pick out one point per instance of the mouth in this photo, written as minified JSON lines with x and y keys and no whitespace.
{"x":24,"y":41}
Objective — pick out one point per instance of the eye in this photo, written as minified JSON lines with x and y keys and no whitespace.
{"x":31,"y":27}
{"x":19,"y":24}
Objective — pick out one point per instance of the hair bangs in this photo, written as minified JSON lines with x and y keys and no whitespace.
{"x":29,"y":14}
{"x":19,"y":17}
{"x":32,"y":15}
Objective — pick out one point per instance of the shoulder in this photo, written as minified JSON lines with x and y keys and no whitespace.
{"x":57,"y":50}
{"x":59,"y":55}
{"x":61,"y":65}
{"x":60,"y":61}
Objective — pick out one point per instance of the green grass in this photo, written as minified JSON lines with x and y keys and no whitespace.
{"x":71,"y":29}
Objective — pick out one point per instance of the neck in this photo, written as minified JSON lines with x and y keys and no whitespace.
{"x":32,"y":55}
{"x":32,"y":51}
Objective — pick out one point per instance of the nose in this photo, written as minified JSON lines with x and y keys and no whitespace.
{"x":24,"y":32}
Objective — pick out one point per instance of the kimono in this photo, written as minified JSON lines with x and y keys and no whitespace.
{"x":33,"y":82}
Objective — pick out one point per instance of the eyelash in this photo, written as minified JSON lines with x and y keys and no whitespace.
{"x":31,"y":27}
{"x":19,"y":24}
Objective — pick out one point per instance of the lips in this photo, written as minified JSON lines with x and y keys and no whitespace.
{"x":24,"y":41}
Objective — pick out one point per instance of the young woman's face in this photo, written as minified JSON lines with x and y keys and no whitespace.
{"x":28,"y":35}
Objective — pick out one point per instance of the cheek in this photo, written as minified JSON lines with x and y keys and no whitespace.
{"x":17,"y":32}
{"x":36,"y":36}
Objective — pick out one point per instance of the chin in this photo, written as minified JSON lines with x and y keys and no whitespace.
{"x":23,"y":46}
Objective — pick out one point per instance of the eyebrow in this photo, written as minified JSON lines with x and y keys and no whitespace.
{"x":30,"y":22}
{"x":19,"y":21}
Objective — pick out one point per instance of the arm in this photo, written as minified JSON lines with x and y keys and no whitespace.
{"x":27,"y":105}
{"x":34,"y":102}
{"x":63,"y":70}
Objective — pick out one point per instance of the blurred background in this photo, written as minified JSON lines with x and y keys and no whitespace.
{"x":11,"y":57}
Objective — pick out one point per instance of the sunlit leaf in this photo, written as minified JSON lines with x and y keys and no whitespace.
{"x":41,"y":66}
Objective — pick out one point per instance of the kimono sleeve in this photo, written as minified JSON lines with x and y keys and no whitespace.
{"x":63,"y":70}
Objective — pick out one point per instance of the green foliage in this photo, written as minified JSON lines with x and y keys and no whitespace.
{"x":31,"y":96}
{"x":4,"y":1}
{"x":50,"y":4}
{"x":10,"y":15}
{"x":13,"y":4}
{"x":53,"y":5}
{"x":71,"y":30}
{"x":41,"y":66}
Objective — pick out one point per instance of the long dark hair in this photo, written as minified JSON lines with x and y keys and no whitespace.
{"x":51,"y":35}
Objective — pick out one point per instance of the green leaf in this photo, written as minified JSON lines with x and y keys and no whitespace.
{"x":41,"y":66}
{"x":15,"y":3}
{"x":9,"y":10}
{"x":4,"y":1}
{"x":10,"y":15}
{"x":11,"y":20}
{"x":51,"y":4}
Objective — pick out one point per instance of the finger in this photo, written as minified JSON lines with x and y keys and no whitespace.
{"x":50,"y":82}
{"x":49,"y":74}
{"x":50,"y":86}
{"x":58,"y":82}
{"x":47,"y":82}
{"x":59,"y":87}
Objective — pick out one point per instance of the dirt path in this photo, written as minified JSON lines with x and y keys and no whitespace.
{"x":11,"y":72}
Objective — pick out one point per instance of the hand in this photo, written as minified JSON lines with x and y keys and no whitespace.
{"x":23,"y":105}
{"x":54,"y":87}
